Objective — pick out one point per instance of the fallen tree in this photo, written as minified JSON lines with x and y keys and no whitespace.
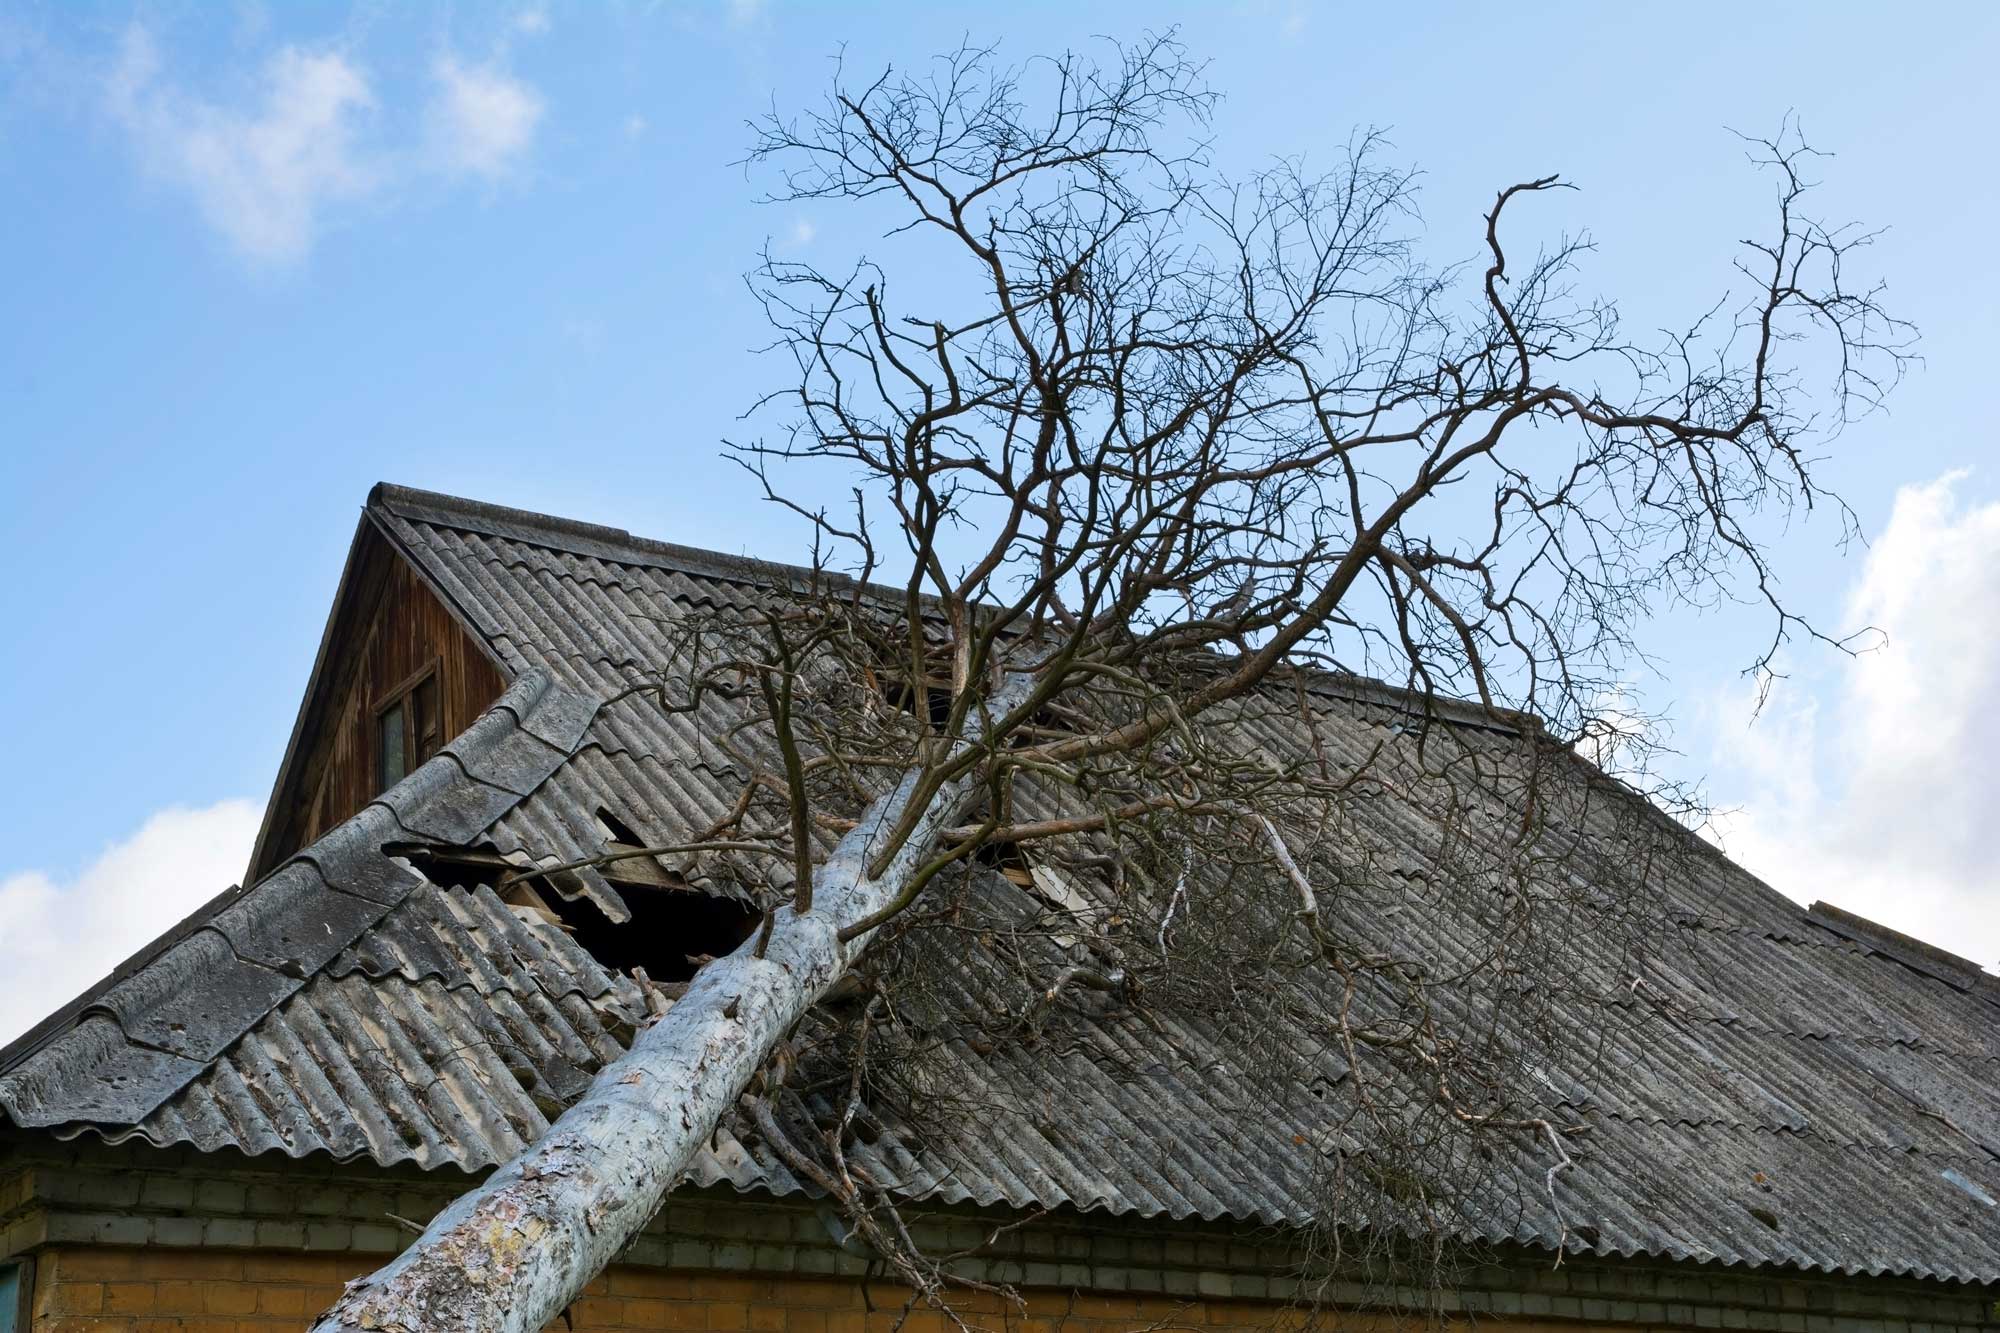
{"x":513,"y":1253}
{"x":1160,"y":446}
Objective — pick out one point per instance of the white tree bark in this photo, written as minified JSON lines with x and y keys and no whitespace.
{"x":512,"y":1253}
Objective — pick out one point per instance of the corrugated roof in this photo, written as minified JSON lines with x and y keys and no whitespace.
{"x":1765,"y":1061}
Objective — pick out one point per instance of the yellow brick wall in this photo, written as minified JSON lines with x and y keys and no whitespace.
{"x":160,"y":1290}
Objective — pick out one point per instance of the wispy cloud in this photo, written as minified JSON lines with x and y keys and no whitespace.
{"x":58,"y":936}
{"x":1879,"y":796}
{"x":260,"y":176}
{"x":482,"y":119}
{"x":268,"y":173}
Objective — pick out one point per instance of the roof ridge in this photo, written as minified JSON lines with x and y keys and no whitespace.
{"x":581,"y":537}
{"x":1933,"y":961}
{"x":621,"y":546}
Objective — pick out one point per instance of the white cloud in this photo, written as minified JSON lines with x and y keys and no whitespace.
{"x":802,"y":234}
{"x":59,"y":937}
{"x":267,"y":173}
{"x":1880,"y":796}
{"x":744,"y":13}
{"x":262,"y":176}
{"x":482,"y":120}
{"x":635,"y":125}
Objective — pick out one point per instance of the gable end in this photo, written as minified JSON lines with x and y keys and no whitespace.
{"x":389,"y":629}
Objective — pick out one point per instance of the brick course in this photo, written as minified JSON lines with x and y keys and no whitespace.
{"x":100,"y":1289}
{"x":153,"y":1290}
{"x":134,"y":1240}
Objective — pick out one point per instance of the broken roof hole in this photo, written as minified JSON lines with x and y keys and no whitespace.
{"x":616,"y":829}
{"x":1008,"y":859}
{"x":928,"y":697}
{"x":485,"y":867}
{"x":629,"y":870}
{"x":671,"y":934}
{"x":673,"y":930}
{"x":459,"y":867}
{"x":901,"y":695}
{"x":1046,"y":882}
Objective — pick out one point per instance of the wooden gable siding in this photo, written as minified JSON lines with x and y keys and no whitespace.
{"x":410,"y":631}
{"x":392,"y":628}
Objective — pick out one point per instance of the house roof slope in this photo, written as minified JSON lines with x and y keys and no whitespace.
{"x":1779,"y":1063}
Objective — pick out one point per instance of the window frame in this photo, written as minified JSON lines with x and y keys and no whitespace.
{"x":403,"y":696}
{"x":15,"y":1313}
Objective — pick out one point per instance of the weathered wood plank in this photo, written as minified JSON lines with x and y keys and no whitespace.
{"x":400,"y":629}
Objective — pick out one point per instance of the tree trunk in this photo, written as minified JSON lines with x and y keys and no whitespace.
{"x":512,"y":1253}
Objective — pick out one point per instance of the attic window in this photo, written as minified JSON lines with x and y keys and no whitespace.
{"x":408,"y":728}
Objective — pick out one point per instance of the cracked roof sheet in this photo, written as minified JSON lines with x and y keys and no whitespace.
{"x":1808,"y":1067}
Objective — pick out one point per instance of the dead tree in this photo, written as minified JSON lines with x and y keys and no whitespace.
{"x":1147,"y":452}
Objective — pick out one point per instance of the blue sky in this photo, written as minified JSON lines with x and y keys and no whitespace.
{"x":257,"y":258}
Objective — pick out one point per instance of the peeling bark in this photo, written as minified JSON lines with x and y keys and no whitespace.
{"x":512,"y":1253}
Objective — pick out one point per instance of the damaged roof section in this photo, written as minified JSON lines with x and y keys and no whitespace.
{"x":1776,"y":1063}
{"x":447,"y":1035}
{"x":118,"y":1052}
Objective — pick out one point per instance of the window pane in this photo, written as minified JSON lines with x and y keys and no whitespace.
{"x":391,"y":763}
{"x":426,"y":724}
{"x":10,"y":1296}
